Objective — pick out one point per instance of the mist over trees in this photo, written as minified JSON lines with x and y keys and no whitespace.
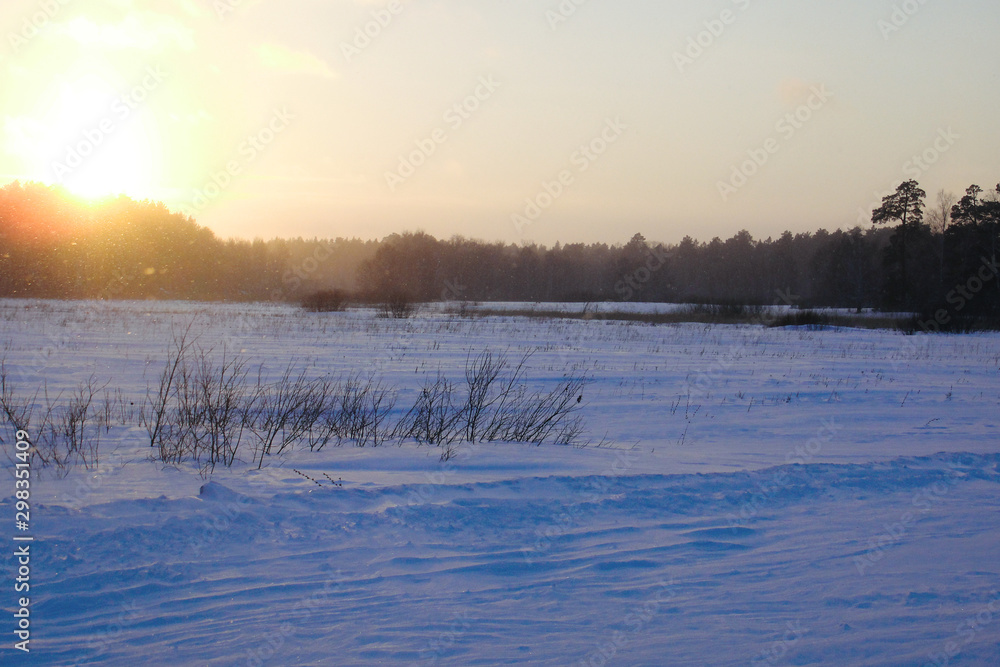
{"x":814,"y":268}
{"x":937,"y":259}
{"x":53,"y":245}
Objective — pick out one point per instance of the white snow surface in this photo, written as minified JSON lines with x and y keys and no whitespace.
{"x":747,"y":496}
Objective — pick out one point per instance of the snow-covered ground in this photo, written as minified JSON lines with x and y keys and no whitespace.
{"x":749,"y":496}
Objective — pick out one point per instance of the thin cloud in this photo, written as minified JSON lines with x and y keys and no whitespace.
{"x":143,"y":31}
{"x":792,"y":91}
{"x":283,"y":59}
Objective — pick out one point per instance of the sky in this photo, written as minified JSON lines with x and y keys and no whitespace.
{"x":518,"y":121}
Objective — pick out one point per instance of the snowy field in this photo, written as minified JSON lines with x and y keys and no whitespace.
{"x":741,"y":496}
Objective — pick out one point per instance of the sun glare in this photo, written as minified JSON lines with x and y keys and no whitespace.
{"x":94,"y":142}
{"x":123,"y":166}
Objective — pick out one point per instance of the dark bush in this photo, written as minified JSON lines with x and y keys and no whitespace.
{"x":723,"y":313}
{"x":802,"y":318}
{"x":397,"y":305}
{"x":954,"y":323}
{"x":326,"y":301}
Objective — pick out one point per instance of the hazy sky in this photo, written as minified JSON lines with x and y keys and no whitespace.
{"x":580,"y":120}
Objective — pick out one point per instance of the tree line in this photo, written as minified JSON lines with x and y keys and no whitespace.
{"x":938,"y":260}
{"x":53,"y":245}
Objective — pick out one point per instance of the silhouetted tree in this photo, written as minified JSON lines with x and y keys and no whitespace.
{"x":905,"y":205}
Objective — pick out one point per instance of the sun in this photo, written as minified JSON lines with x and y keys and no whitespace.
{"x":123,"y":165}
{"x":95,"y":143}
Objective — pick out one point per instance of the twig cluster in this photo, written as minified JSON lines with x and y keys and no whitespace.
{"x":496,"y":406}
{"x":66,"y":431}
{"x":207,"y":407}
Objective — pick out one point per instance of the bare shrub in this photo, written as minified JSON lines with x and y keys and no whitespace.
{"x":434,"y":419}
{"x":497,"y":407}
{"x":204,"y":404}
{"x":155,"y":416}
{"x":548,"y":417}
{"x":116,"y":410}
{"x":724,"y":313}
{"x":358,"y":412}
{"x":506,"y":404}
{"x":511,"y":413}
{"x":280,"y":408}
{"x":326,"y":301}
{"x":80,"y":438}
{"x":397,"y":305}
{"x":481,"y":374}
{"x":197,"y":410}
{"x":45,"y":434}
{"x":801,"y":318}
{"x":16,"y":409}
{"x":67,"y":433}
{"x":221,"y":391}
{"x":186,"y":432}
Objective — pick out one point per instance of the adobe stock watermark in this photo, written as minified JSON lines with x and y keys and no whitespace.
{"x":923,"y":503}
{"x":580,"y":161}
{"x":697,"y":45}
{"x":223,"y":517}
{"x":458,"y":627}
{"x":92,"y":138}
{"x":786,"y":128}
{"x":271,"y":643}
{"x":434,"y":481}
{"x":293,"y":277}
{"x":778,"y":649}
{"x":780,"y":478}
{"x":901,"y":15}
{"x":634,"y":282}
{"x":366,"y":34}
{"x":966,"y":633}
{"x":563,"y":12}
{"x":90,"y":484}
{"x":573,"y":514}
{"x":453,"y":290}
{"x":914,"y":168}
{"x":454,"y":118}
{"x":702,"y":383}
{"x":248,"y":151}
{"x":32,"y":26}
{"x":635,"y":622}
{"x":962,"y":295}
{"x":225,"y":7}
{"x":126,"y":619}
{"x":920,"y":164}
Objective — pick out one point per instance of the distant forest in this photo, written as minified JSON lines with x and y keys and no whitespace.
{"x":53,"y":245}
